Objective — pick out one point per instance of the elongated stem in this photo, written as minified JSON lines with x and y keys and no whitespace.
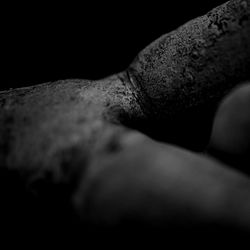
{"x":196,"y":64}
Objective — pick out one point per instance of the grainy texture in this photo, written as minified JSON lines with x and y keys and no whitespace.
{"x":49,"y":133}
{"x":196,"y":64}
{"x":46,"y":119}
{"x":52,"y":133}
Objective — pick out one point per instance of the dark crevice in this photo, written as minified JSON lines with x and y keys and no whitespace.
{"x":143,"y":99}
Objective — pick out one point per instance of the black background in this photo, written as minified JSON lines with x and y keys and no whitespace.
{"x":47,"y":41}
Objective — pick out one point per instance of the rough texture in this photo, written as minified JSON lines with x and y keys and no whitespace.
{"x":42,"y":119}
{"x":196,"y":64}
{"x":52,"y":133}
{"x":49,"y":133}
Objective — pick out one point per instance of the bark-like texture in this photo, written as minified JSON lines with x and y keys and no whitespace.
{"x":196,"y":64}
{"x":51,"y":133}
{"x":182,"y":75}
{"x":45,"y":119}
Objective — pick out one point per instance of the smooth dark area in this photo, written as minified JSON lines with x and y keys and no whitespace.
{"x":90,"y":40}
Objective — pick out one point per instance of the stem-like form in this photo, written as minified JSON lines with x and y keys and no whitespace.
{"x":54,"y":132}
{"x":196,"y":64}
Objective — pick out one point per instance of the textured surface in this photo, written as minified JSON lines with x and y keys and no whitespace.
{"x":49,"y":133}
{"x":53,"y":135}
{"x":196,"y":64}
{"x":46,"y":119}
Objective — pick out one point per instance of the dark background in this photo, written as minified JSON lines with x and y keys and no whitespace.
{"x":47,"y":41}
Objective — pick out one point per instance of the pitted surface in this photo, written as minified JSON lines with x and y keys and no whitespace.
{"x":193,"y":64}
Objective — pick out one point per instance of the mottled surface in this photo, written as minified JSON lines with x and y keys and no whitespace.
{"x":49,"y":132}
{"x":197,"y":63}
{"x":55,"y":135}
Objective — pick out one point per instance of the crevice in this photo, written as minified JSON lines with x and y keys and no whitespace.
{"x":142,"y":98}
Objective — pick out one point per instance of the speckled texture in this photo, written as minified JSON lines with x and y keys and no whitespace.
{"x":51,"y":133}
{"x":197,"y":63}
{"x":49,"y":126}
